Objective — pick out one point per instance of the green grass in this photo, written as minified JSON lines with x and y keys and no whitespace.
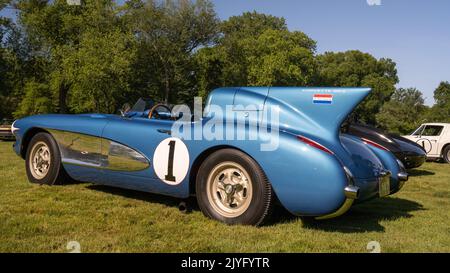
{"x":37,"y":218}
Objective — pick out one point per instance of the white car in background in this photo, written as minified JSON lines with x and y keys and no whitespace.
{"x":434,"y":138}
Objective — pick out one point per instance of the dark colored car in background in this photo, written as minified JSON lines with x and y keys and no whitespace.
{"x":5,"y":130}
{"x":408,"y":152}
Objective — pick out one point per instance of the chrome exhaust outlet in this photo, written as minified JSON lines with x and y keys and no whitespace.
{"x":182,"y":207}
{"x":351,"y":192}
{"x":185,"y":206}
{"x":403,"y":176}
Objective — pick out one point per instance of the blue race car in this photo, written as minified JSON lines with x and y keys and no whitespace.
{"x":250,"y":147}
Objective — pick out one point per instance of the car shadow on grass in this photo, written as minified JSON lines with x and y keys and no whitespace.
{"x":367,"y":216}
{"x":360,"y":218}
{"x":189,"y":203}
{"x":416,"y":172}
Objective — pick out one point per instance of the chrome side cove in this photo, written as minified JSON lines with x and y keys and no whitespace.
{"x":97,"y":152}
{"x":78,"y":149}
{"x":123,"y":158}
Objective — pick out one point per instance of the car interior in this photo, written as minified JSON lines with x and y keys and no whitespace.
{"x":147,"y":108}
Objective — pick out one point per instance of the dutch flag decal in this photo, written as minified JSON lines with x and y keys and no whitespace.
{"x":323,"y":98}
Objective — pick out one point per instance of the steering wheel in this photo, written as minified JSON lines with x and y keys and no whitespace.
{"x":153,"y":109}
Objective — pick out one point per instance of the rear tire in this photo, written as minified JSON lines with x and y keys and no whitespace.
{"x":446,"y":154}
{"x":232,"y":188}
{"x":43,"y":161}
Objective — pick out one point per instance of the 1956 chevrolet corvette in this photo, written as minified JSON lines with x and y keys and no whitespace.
{"x":314,"y":170}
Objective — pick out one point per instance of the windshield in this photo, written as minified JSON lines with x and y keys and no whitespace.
{"x":418,"y":131}
{"x":142,"y":105}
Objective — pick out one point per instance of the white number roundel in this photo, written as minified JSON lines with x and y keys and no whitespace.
{"x":171,"y":160}
{"x":426,"y":144}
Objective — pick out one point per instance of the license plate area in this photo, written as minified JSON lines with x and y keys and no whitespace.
{"x":384,"y":186}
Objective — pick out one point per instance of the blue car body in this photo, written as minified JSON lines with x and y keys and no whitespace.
{"x":309,"y":181}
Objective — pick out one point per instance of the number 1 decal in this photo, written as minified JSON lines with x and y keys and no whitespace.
{"x":169,"y":175}
{"x":171,"y":161}
{"x":426,"y":144}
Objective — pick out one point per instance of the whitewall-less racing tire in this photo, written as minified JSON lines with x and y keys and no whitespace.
{"x":446,"y":154}
{"x":232,"y":188}
{"x":43,"y":161}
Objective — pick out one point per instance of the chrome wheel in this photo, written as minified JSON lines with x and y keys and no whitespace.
{"x":229,"y":189}
{"x":40,"y":160}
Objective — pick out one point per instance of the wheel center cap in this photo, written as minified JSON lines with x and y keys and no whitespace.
{"x":228,"y":189}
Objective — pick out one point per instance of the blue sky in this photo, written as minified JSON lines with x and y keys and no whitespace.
{"x":414,"y":33}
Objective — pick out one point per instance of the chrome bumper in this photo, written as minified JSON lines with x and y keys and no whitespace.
{"x":403,"y":176}
{"x":351,"y":193}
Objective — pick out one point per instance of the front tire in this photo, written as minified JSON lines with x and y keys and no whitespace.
{"x":43,"y":161}
{"x":232,"y":188}
{"x":446,"y":154}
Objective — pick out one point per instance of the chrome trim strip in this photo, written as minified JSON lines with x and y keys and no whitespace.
{"x":123,"y":158}
{"x":343,"y":209}
{"x":96,"y":152}
{"x":78,"y":148}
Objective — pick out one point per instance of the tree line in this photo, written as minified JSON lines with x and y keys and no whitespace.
{"x":60,"y":58}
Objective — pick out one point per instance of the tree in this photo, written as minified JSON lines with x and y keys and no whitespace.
{"x":355,"y":69}
{"x":256,"y":49}
{"x":404,"y":112}
{"x":37,"y":100}
{"x":53,"y":28}
{"x":88,"y":53}
{"x":280,"y":58}
{"x":440,"y":112}
{"x":168,"y":34}
{"x":98,"y":55}
{"x":15,"y":63}
{"x":251,"y":24}
{"x":99,"y":67}
{"x":7,"y":60}
{"x":100,"y":71}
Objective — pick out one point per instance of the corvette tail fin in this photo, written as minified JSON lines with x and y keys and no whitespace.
{"x":315,"y":111}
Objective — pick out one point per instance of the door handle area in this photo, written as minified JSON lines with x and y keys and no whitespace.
{"x":164,"y":131}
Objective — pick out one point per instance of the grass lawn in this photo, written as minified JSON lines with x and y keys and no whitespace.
{"x":37,"y":218}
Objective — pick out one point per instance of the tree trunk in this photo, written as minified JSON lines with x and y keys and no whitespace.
{"x":167,"y":87}
{"x":63,"y":90}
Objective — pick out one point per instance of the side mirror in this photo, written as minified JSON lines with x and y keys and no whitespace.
{"x":125,"y":109}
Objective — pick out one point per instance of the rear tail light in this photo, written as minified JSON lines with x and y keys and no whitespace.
{"x":314,"y":144}
{"x":374,"y":144}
